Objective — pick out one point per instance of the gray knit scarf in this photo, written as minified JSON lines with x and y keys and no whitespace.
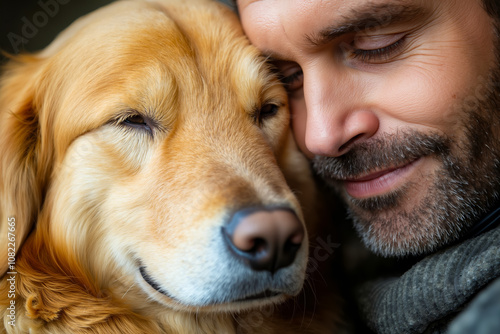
{"x":429,"y":295}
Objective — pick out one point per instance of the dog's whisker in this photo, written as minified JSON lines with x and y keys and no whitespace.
{"x":313,"y":311}
{"x":131,"y":286}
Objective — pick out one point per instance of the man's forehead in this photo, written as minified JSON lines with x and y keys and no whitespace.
{"x":340,"y":3}
{"x":318,"y":22}
{"x":336,"y":10}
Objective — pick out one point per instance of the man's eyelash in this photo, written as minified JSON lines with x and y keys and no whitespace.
{"x":380,"y":54}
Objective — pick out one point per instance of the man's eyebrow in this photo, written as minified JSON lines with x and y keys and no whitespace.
{"x":368,"y":17}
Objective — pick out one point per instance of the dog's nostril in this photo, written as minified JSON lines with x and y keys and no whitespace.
{"x":258,"y":245}
{"x":267,"y":239}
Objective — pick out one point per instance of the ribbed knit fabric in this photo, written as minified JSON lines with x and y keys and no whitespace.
{"x":429,"y":295}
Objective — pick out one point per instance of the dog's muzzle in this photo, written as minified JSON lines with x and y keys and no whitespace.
{"x":258,"y":256}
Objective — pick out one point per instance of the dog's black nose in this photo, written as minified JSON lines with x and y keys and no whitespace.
{"x":267,"y":239}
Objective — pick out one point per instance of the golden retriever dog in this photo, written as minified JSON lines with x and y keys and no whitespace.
{"x":150,"y":182}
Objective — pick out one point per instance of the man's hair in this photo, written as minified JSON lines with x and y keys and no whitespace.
{"x":493,"y":8}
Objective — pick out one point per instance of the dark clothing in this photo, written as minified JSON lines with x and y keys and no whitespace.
{"x":455,"y":291}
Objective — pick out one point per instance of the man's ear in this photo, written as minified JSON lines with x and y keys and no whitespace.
{"x":24,"y":167}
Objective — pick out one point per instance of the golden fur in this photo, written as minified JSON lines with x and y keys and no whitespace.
{"x":94,"y":196}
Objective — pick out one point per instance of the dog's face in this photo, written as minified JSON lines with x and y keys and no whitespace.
{"x":157,"y":126}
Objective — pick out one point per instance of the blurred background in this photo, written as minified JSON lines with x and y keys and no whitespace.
{"x":30,"y":25}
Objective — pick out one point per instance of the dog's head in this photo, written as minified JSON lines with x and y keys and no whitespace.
{"x":150,"y":146}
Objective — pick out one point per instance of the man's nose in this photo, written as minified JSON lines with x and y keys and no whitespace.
{"x":337,"y":115}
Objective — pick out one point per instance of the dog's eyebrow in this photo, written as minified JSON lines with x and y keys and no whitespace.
{"x":367,"y":17}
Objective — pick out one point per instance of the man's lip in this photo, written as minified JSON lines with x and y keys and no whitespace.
{"x":374,"y":175}
{"x":380,"y":182}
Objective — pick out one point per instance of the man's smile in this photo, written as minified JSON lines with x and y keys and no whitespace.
{"x":379,"y":182}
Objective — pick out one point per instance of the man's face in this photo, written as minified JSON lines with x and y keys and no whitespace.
{"x":396,"y":103}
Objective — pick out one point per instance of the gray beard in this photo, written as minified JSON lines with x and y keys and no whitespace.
{"x":464,"y":188}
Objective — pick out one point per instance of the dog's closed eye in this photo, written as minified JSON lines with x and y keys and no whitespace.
{"x":139,"y":122}
{"x":136,"y":120}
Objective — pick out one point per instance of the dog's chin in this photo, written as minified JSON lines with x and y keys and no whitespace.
{"x":238,"y":303}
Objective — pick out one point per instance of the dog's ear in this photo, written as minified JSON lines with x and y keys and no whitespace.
{"x":24,"y":167}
